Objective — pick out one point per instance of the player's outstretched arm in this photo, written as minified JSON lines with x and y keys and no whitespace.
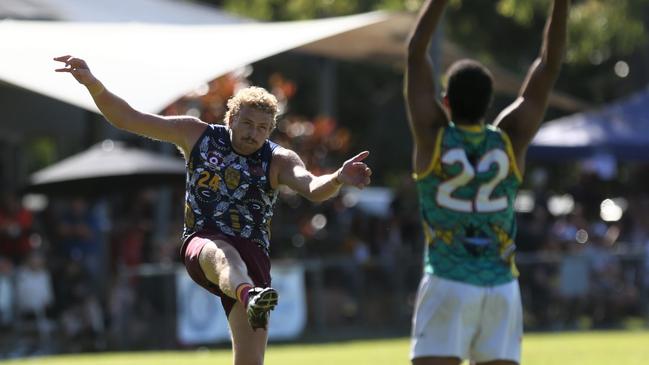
{"x":183,"y":131}
{"x":291,"y":171}
{"x":522,"y":119}
{"x":425,"y":113}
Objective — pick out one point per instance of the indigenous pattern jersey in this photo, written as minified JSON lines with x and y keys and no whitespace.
{"x":467,"y":205}
{"x":227,"y":192}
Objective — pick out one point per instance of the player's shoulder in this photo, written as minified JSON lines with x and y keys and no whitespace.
{"x":189,"y":124}
{"x":284,"y":160}
{"x":491,"y":128}
{"x":496,"y":131}
{"x":282,"y":153}
{"x":216,"y":128}
{"x":185,"y":120}
{"x":216,"y":132}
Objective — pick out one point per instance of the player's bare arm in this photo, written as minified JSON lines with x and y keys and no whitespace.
{"x":182,"y":131}
{"x":522,"y":119}
{"x":288,"y":169}
{"x":425,"y":113}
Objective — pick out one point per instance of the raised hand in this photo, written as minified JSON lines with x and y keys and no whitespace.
{"x":79,"y":69}
{"x":354,"y":172}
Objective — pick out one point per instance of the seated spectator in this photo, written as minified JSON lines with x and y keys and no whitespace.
{"x":34,"y":291}
{"x":82,"y":317}
{"x":15,"y":228}
{"x":34,"y":297}
{"x":6,"y":292}
{"x":574,"y":282}
{"x":80,"y":237}
{"x":613,"y":293}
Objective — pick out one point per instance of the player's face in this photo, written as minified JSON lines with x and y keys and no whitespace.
{"x":250,"y":129}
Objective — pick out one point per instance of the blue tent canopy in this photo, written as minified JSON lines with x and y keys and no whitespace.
{"x":620,"y":129}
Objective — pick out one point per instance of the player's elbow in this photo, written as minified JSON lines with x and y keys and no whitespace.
{"x":554,"y":65}
{"x":411,"y":47}
{"x":315,"y":198}
{"x":121,"y":117}
{"x":546,"y":67}
{"x":309,"y":193}
{"x":118,"y":123}
{"x":415,"y":55}
{"x":416,"y":48}
{"x":551,"y":65}
{"x":552,"y":61}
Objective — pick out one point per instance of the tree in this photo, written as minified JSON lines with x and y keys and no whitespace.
{"x":599,"y":28}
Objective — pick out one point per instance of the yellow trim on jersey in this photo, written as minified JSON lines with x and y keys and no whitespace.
{"x":514,"y":268}
{"x":475,"y":128}
{"x":512,"y":157}
{"x":429,"y":235}
{"x":436,"y":152}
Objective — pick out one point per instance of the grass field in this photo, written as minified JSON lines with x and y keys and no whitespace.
{"x":591,"y":348}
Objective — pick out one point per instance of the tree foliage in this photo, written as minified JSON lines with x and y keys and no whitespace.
{"x":598,"y":28}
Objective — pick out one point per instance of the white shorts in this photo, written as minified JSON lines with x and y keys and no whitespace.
{"x":454,"y":319}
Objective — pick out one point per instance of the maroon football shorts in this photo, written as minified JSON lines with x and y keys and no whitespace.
{"x":255,"y":258}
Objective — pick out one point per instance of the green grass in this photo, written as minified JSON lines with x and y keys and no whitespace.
{"x":591,"y":348}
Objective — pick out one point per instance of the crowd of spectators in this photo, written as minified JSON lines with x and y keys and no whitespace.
{"x":587,"y":267}
{"x":66,"y":273}
{"x":61,"y":271}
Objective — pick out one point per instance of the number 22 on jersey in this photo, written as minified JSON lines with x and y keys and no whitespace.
{"x":483,"y":202}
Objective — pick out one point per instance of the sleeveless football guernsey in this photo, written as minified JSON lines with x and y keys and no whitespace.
{"x":227,"y":192}
{"x":467,"y":206}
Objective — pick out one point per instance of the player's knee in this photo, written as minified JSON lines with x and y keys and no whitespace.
{"x":208,"y":255}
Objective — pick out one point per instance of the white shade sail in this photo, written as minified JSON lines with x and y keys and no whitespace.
{"x":141,"y":11}
{"x":151,"y":65}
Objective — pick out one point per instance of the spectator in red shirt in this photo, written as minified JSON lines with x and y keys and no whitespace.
{"x":15,"y":228}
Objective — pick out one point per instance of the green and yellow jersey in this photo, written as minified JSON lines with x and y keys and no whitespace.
{"x":466,"y":200}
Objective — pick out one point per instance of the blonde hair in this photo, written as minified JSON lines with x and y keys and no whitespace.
{"x":255,"y":97}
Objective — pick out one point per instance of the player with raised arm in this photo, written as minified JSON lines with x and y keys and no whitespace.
{"x":233,"y":172}
{"x":468,"y":172}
